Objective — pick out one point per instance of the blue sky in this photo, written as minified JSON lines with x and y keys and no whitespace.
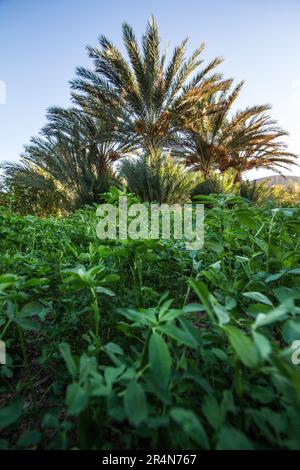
{"x":41,"y":43}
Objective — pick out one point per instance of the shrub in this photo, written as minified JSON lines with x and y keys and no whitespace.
{"x":157,"y":177}
{"x":217,"y":183}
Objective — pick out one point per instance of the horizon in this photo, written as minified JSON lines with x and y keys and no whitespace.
{"x":38,"y":64}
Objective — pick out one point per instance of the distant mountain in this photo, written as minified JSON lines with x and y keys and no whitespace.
{"x":279,"y":179}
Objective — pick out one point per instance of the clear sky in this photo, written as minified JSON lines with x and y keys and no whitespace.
{"x":42,"y":41}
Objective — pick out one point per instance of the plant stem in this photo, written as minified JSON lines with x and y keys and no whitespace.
{"x":27,"y":367}
{"x":269,"y":241}
{"x":5,"y":329}
{"x":96,"y":312}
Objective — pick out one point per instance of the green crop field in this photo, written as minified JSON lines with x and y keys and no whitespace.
{"x":142,"y":344}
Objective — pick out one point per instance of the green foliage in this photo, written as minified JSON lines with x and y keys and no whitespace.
{"x":145,"y":97}
{"x":157,"y":177}
{"x":219,"y":140}
{"x":255,"y":191}
{"x":217,"y":183}
{"x":286,"y":195}
{"x":165,"y":118}
{"x":68,"y":165}
{"x":141,"y":344}
{"x":25,"y":199}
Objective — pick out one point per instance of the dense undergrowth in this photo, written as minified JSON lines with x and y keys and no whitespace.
{"x":141,"y":344}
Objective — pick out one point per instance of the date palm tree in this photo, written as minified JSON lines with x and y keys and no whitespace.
{"x":145,"y":99}
{"x":220,"y":140}
{"x":72,"y":157}
{"x":158,"y":178}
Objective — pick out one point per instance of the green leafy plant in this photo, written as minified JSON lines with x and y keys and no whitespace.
{"x":206,"y":365}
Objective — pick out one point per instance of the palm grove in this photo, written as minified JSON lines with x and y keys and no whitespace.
{"x":160,"y":123}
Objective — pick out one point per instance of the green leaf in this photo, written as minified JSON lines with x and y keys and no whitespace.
{"x":192,"y":330}
{"x":10,"y":414}
{"x":65,"y":351}
{"x":202,"y":199}
{"x":111,"y":278}
{"x":160,"y":360}
{"x":50,"y":421}
{"x":245,"y":217}
{"x":112,"y":373}
{"x":179,"y":335}
{"x":8,"y":280}
{"x":135,"y":403}
{"x":104,"y":290}
{"x":263,"y":394}
{"x":28,"y":325}
{"x":77,"y":399}
{"x":170,"y":315}
{"x":254,"y":309}
{"x":29,"y":438}
{"x":295,"y":271}
{"x":113,"y":348}
{"x":278,"y":313}
{"x":212,"y":412}
{"x":191,"y":425}
{"x":243,"y":346}
{"x":220,"y":354}
{"x":198,"y":379}
{"x":35,"y":282}
{"x":258,"y":297}
{"x":213,"y":246}
{"x":233,"y":439}
{"x":201,"y":290}
{"x":191,"y":308}
{"x":164,"y":308}
{"x":32,"y":309}
{"x":263,"y":345}
{"x":291,"y":331}
{"x":135,"y":316}
{"x":274,"y":277}
{"x":220,"y":311}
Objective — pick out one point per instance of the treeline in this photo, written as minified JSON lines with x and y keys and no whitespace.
{"x":162,"y":124}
